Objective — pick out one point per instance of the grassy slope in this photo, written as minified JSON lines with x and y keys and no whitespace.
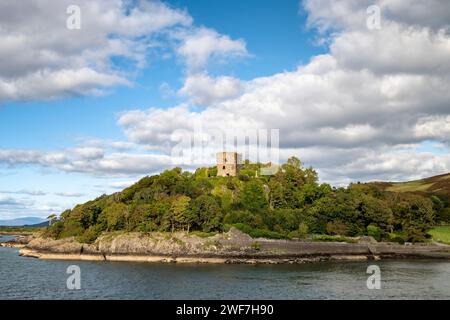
{"x":437,"y":184}
{"x":441,"y":234}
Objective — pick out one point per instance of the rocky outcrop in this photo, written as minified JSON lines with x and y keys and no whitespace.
{"x":231,"y":247}
{"x":18,"y":241}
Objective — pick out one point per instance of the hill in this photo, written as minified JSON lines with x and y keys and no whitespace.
{"x":289,"y":204}
{"x":24,"y":221}
{"x":433,"y":185}
{"x":37,"y":225}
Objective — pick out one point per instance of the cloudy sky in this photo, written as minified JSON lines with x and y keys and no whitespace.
{"x":88,"y":111}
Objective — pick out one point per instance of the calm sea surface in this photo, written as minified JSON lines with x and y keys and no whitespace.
{"x":29,"y":278}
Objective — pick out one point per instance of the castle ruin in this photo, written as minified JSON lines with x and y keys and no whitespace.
{"x":228,"y":164}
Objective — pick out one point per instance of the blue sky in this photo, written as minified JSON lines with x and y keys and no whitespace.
{"x":89,"y":111}
{"x":59,"y":123}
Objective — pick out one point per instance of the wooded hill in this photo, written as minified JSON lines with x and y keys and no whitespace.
{"x":289,"y":204}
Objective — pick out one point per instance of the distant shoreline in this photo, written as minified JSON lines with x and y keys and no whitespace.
{"x":15,"y":233}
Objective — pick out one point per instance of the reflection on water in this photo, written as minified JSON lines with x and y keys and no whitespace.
{"x":28,"y":278}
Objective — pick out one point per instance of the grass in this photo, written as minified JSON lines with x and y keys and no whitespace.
{"x":441,"y":234}
{"x":256,"y":245}
{"x":256,"y":233}
{"x":202,"y":234}
{"x":328,"y":238}
{"x":412,"y":186}
{"x":444,"y":177}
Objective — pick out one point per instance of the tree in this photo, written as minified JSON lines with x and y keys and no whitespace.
{"x":413,"y":214}
{"x":253,"y":197}
{"x":295,"y":176}
{"x":375,"y":212}
{"x":179,"y":208}
{"x":278,"y":204}
{"x":116,"y":215}
{"x":138,"y":217}
{"x":337,"y":228}
{"x":52,"y":219}
{"x":277,"y":195}
{"x":205,"y":211}
{"x":311,"y":192}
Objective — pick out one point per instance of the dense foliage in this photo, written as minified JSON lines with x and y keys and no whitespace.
{"x":289,"y":204}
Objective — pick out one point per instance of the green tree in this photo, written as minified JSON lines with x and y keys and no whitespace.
{"x":375,"y":212}
{"x":253,"y":197}
{"x":116,"y":215}
{"x":413,"y":214}
{"x":277,"y":198}
{"x":179,"y":209}
{"x":206,"y":212}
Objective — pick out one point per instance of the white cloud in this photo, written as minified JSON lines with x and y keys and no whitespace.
{"x":70,"y":194}
{"x":41,"y":58}
{"x":45,"y":84}
{"x":72,"y":160}
{"x":395,"y":49}
{"x":89,"y":153}
{"x":202,"y":44}
{"x":356,"y":113}
{"x":12,"y":202}
{"x":25,"y":192}
{"x":205,"y":90}
{"x":433,"y":127}
{"x":373,"y":95}
{"x":326,"y":15}
{"x":154,"y":127}
{"x":319,"y":104}
{"x":121,"y":184}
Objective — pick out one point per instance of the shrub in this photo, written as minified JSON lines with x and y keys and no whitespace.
{"x":212,"y":172}
{"x":72,"y":228}
{"x":256,"y":245}
{"x":303,"y":229}
{"x":248,"y":172}
{"x":230,"y":184}
{"x":336,"y":228}
{"x":90,"y":235}
{"x":374,"y":232}
{"x":54,"y":231}
{"x":301,"y":232}
{"x":444,"y":216}
{"x":397,"y":237}
{"x":240,"y":216}
{"x":243,"y":177}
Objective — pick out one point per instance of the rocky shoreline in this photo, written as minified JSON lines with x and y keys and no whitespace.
{"x":231,"y":247}
{"x":19,"y":241}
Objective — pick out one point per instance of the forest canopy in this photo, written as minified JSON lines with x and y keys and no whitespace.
{"x":290,"y":204}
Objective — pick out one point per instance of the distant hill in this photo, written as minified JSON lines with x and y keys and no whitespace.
{"x":438,"y":184}
{"x":37,"y":225}
{"x":25,"y":221}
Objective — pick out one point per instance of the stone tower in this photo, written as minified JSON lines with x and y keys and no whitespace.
{"x":228,"y":164}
